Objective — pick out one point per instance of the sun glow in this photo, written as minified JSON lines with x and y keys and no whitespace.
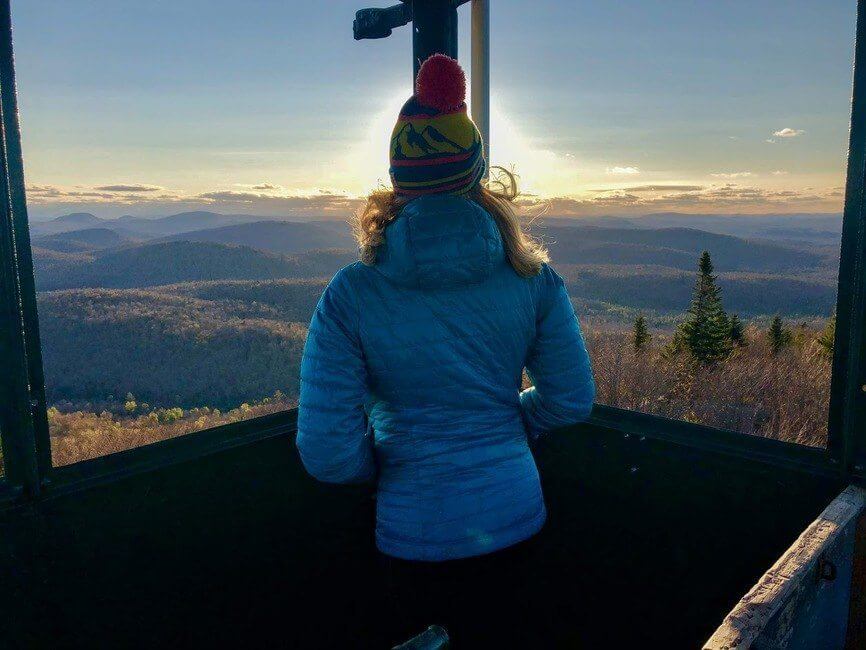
{"x":541,"y":171}
{"x":365,"y":165}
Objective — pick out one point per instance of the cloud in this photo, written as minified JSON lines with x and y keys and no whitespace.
{"x":315,"y":204}
{"x":232,"y":195}
{"x":50,"y":192}
{"x":622,"y":170}
{"x":731,"y":174}
{"x":717,"y":198}
{"x":321,"y":203}
{"x":51,"y":200}
{"x":770,"y":141}
{"x":788,"y":133}
{"x":780,"y":172}
{"x":128,"y":188}
{"x":656,"y":188}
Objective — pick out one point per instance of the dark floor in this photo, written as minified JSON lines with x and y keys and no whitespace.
{"x":647,"y":545}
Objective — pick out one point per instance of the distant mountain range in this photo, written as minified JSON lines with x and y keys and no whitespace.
{"x":178,"y":261}
{"x":809,"y":227}
{"x":674,"y":247}
{"x":823,"y":228}
{"x":84,"y":240}
{"x":629,"y":265}
{"x":141,"y":226}
{"x":201,"y":308}
{"x":283,"y":237}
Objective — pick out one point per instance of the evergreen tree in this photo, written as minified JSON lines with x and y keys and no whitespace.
{"x":779,"y":335}
{"x":827,"y":340}
{"x":641,"y":336}
{"x":706,"y":331}
{"x":736,"y":332}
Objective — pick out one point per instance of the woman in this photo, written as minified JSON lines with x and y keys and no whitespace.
{"x":413,"y":364}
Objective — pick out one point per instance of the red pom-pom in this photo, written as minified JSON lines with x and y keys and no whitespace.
{"x":441,"y":83}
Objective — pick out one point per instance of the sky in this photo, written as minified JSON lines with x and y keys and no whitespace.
{"x":270,"y":107}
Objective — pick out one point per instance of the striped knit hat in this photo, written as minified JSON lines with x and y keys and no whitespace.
{"x":435,"y":146}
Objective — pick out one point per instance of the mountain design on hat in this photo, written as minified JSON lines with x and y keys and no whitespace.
{"x":435,"y":146}
{"x":418,"y":144}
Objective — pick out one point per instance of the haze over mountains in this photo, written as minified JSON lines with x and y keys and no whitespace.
{"x":156,"y":227}
{"x":283,"y":237}
{"x":658,"y":252}
{"x":807,"y":226}
{"x":169,"y":308}
{"x":810,"y":227}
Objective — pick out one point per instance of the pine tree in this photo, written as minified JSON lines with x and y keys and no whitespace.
{"x":736,"y":332}
{"x":827,"y":340}
{"x":779,"y":335}
{"x":706,"y":331}
{"x":641,"y":336}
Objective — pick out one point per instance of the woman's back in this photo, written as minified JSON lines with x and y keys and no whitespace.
{"x":412,"y":367}
{"x":438,"y":332}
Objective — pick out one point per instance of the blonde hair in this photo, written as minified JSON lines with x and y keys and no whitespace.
{"x":524,"y":253}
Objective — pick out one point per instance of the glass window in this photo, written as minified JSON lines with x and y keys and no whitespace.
{"x":685,"y":162}
{"x":191,"y":167}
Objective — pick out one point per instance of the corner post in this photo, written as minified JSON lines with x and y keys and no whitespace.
{"x":847,"y":423}
{"x":17,"y":407}
{"x":480,"y":94}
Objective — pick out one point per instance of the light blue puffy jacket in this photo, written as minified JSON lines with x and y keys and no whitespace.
{"x":411,"y":375}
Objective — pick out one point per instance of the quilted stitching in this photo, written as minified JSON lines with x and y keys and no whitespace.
{"x":429,"y":346}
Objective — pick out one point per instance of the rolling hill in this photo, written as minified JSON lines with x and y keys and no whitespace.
{"x":162,"y":263}
{"x":142,"y":226}
{"x":284,"y":237}
{"x":168,"y":350}
{"x":667,"y":291}
{"x":818,"y":228}
{"x":65,"y":223}
{"x":84,"y":240}
{"x":627,"y":267}
{"x":673,"y":247}
{"x":185,"y":222}
{"x":292,"y":300}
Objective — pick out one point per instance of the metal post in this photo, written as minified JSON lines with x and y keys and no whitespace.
{"x":480,"y":95}
{"x":16,"y":415}
{"x":21,"y":234}
{"x":847,"y":433}
{"x":434,"y":31}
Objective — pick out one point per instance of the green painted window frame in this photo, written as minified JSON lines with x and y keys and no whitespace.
{"x":24,"y":431}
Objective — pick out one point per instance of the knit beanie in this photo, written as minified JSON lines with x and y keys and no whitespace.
{"x":435,"y":146}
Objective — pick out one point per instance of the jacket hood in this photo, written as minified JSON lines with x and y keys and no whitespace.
{"x":440,"y":241}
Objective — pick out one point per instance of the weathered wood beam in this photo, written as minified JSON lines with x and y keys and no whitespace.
{"x":816,"y":568}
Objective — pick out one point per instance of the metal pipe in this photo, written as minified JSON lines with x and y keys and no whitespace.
{"x":480,"y":93}
{"x":16,"y":407}
{"x":846,"y":441}
{"x":434,"y":31}
{"x":21,"y":234}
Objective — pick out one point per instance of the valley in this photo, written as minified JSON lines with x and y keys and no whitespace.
{"x":152,"y":327}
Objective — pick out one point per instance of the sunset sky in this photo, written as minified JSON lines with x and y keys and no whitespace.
{"x":270,"y":107}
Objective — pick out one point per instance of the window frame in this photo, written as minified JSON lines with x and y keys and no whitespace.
{"x":846,"y":442}
{"x":24,"y":430}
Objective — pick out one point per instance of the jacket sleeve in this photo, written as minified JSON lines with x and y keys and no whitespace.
{"x":332,"y":425}
{"x":558,"y":363}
